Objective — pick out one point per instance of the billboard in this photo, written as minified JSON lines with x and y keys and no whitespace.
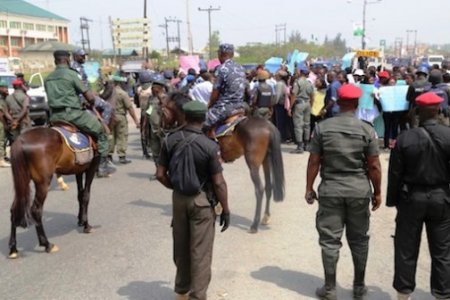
{"x":131,"y":33}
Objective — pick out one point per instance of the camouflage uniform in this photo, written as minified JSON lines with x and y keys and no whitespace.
{"x":231,"y":83}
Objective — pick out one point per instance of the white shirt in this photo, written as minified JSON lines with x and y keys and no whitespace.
{"x":202,"y":92}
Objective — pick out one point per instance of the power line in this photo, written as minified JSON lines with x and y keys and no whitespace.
{"x":279,"y":28}
{"x":209,"y":10}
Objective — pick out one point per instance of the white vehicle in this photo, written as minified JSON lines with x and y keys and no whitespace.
{"x":433,"y":60}
{"x":38,"y":110}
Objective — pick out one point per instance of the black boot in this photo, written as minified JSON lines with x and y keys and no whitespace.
{"x":104,"y":170}
{"x":123,"y":160}
{"x":299,"y":149}
{"x":328,"y":291}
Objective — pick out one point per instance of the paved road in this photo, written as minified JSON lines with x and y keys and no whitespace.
{"x":129,"y":256}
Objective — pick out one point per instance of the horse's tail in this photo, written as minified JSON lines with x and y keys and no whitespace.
{"x":20,"y":209}
{"x":277,"y":164}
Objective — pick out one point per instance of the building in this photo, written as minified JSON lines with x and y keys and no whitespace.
{"x":23,"y":24}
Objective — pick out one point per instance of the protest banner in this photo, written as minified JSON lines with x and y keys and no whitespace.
{"x":393,"y":98}
{"x":273,"y":64}
{"x":213,"y":63}
{"x":366,"y":100}
{"x":189,"y":61}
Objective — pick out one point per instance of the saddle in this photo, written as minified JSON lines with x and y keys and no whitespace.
{"x":81,"y":144}
{"x":227,"y":127}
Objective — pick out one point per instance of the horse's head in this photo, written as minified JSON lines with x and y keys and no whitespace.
{"x":172,"y":109}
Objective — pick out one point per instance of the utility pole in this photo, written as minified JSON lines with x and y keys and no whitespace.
{"x":363,"y":37}
{"x":415,"y":41}
{"x":279,"y":28}
{"x":166,"y":27}
{"x":177,"y":38}
{"x":209,"y":10}
{"x":84,"y":27}
{"x":407,"y":41}
{"x":145,"y":32}
{"x":188,"y":22}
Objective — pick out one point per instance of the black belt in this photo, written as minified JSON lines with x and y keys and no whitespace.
{"x":61,"y":109}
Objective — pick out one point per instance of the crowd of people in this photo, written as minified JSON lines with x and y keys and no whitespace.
{"x":314,"y":107}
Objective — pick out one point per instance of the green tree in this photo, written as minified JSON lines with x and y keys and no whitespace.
{"x":215,"y":42}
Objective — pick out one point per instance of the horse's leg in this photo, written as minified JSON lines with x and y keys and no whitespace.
{"x":12,"y":241}
{"x":80,"y":189}
{"x":62,"y":185}
{"x":90,"y":174}
{"x":36,"y":212}
{"x":259,"y":190}
{"x":268,"y":188}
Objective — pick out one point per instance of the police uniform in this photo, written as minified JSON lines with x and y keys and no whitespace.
{"x":418,"y":185}
{"x":144,"y":92}
{"x":419,"y":86}
{"x":15,"y":104}
{"x":119,"y":131}
{"x":264,"y":97}
{"x":303,"y":91}
{"x":230,"y":82}
{"x":343,"y":143}
{"x":63,"y":87}
{"x":193,"y":216}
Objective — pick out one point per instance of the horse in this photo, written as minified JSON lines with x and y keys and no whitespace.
{"x":36,"y":155}
{"x":255,"y":138}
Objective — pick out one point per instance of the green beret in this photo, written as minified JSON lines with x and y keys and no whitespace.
{"x":3,"y":83}
{"x":118,"y":78}
{"x":195,"y":108}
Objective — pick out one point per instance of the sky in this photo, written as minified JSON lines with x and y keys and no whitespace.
{"x":242,"y":21}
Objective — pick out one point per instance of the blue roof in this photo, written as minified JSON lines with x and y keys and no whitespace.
{"x":23,"y":8}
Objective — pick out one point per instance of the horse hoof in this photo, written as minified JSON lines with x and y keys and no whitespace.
{"x":52,"y":249}
{"x":13,"y":255}
{"x":253,"y":230}
{"x":64,"y":187}
{"x":265,"y":220}
{"x":88,"y":229}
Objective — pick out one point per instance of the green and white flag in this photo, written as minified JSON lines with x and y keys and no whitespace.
{"x":358,"y":30}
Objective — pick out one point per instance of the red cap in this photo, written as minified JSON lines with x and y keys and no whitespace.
{"x":384,"y":74}
{"x":349,"y":92}
{"x":428,"y":99}
{"x":17,"y":82}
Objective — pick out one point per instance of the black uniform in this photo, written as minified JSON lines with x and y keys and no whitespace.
{"x":193,"y":217}
{"x":418,"y":185}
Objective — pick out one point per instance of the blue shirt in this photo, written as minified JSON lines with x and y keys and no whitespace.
{"x":332,"y":95}
{"x":230,"y":83}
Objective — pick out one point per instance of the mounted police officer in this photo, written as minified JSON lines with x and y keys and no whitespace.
{"x":346,"y":151}
{"x":418,"y":186}
{"x":228,"y":89}
{"x":63,"y":87}
{"x":193,"y":216}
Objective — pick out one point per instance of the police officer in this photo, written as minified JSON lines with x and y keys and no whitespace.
{"x":418,"y":186}
{"x":263,"y":97}
{"x":144,"y":92}
{"x":79,"y":58}
{"x":300,"y":109}
{"x":17,"y":104}
{"x":154,"y":117}
{"x":228,"y":89}
{"x":193,"y":216}
{"x":4,"y":119}
{"x":421,"y":85}
{"x":122,"y":105}
{"x":440,"y":89}
{"x":346,"y":151}
{"x":63,"y":87}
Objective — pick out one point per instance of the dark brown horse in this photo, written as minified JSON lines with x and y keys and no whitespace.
{"x":35,"y":156}
{"x":254,"y":138}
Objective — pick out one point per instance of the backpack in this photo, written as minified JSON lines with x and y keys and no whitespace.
{"x":182,"y":172}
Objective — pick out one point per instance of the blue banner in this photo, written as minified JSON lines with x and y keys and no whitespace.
{"x":92,"y":69}
{"x":273,"y":64}
{"x":393,"y":98}
{"x":366,"y":100}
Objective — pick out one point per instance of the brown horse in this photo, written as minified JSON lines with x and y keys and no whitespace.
{"x":35,"y":156}
{"x":257,"y":140}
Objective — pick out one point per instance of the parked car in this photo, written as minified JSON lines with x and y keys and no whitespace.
{"x":38,"y":109}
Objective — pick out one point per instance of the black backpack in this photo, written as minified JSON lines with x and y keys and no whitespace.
{"x":182,"y":172}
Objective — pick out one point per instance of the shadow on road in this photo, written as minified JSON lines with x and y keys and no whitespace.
{"x":306,"y":284}
{"x":55,"y":224}
{"x":139,"y":175}
{"x":141,"y":290}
